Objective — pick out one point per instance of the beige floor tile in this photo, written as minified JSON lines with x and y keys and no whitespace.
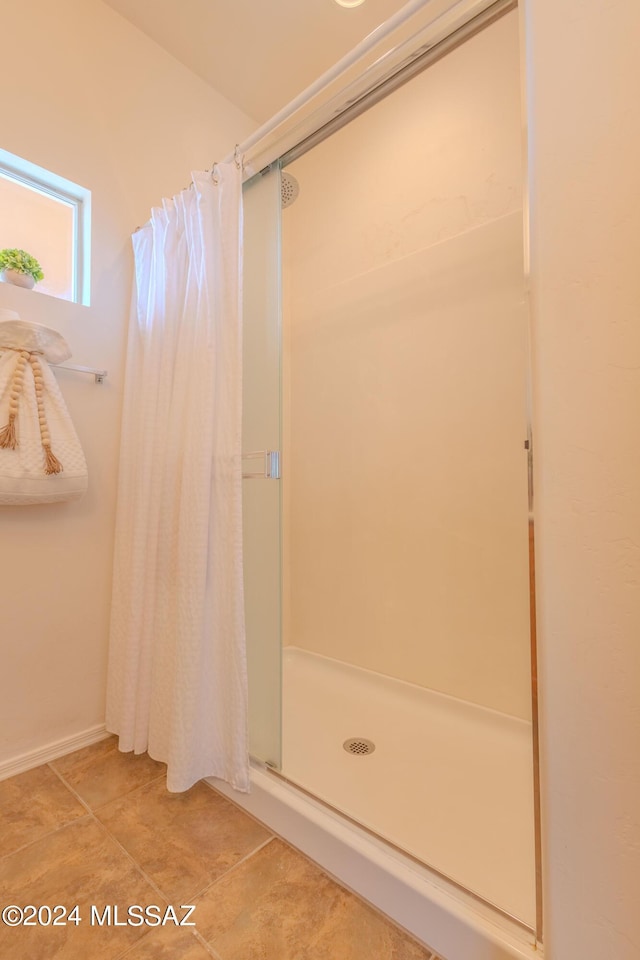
{"x":79,"y":864}
{"x":275,"y":905}
{"x":279,"y":906}
{"x":183,"y":841}
{"x":168,"y":943}
{"x":101,"y":773}
{"x":33,"y":804}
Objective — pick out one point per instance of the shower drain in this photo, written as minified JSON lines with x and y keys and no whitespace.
{"x":358,"y":746}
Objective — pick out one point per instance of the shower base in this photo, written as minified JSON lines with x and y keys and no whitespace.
{"x":448,"y":782}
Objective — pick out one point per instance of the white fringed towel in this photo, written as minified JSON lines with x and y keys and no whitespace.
{"x":41,"y":459}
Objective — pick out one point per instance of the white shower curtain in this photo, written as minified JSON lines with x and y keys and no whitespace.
{"x":177,"y":682}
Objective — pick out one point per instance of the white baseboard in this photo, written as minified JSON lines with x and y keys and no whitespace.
{"x":34,"y":758}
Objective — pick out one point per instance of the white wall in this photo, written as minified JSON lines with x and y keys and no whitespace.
{"x":95,"y":101}
{"x":584,"y":116}
{"x":405,"y":468}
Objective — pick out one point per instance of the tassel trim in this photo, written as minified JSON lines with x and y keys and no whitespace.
{"x":8,"y":436}
{"x":52,"y":464}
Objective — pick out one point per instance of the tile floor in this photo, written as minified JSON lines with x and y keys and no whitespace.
{"x":98,"y":828}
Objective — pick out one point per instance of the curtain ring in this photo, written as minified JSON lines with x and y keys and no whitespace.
{"x":238,"y":157}
{"x":215,"y":176}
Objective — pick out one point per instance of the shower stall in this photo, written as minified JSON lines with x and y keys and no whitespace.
{"x":387,"y":575}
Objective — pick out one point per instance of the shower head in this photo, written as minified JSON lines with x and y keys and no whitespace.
{"x":290,"y":188}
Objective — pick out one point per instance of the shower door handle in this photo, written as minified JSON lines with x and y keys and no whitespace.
{"x":271,"y":468}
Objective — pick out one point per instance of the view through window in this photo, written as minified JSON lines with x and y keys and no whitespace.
{"x":48,"y":217}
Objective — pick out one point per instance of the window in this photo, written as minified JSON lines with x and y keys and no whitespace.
{"x":49,"y":217}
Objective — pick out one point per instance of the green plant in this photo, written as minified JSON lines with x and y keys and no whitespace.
{"x":21,"y":261}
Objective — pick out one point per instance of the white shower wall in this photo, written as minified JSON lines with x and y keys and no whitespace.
{"x":405,"y":500}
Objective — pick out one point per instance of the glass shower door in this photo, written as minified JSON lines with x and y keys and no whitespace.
{"x":260,"y":464}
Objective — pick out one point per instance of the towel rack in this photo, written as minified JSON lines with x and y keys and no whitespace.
{"x":98,"y":374}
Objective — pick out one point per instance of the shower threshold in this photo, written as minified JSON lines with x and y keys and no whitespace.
{"x":433,"y":834}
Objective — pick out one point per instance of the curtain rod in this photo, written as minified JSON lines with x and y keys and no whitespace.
{"x":380,"y":32}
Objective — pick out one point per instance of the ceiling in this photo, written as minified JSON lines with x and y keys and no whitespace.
{"x":258,"y":54}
